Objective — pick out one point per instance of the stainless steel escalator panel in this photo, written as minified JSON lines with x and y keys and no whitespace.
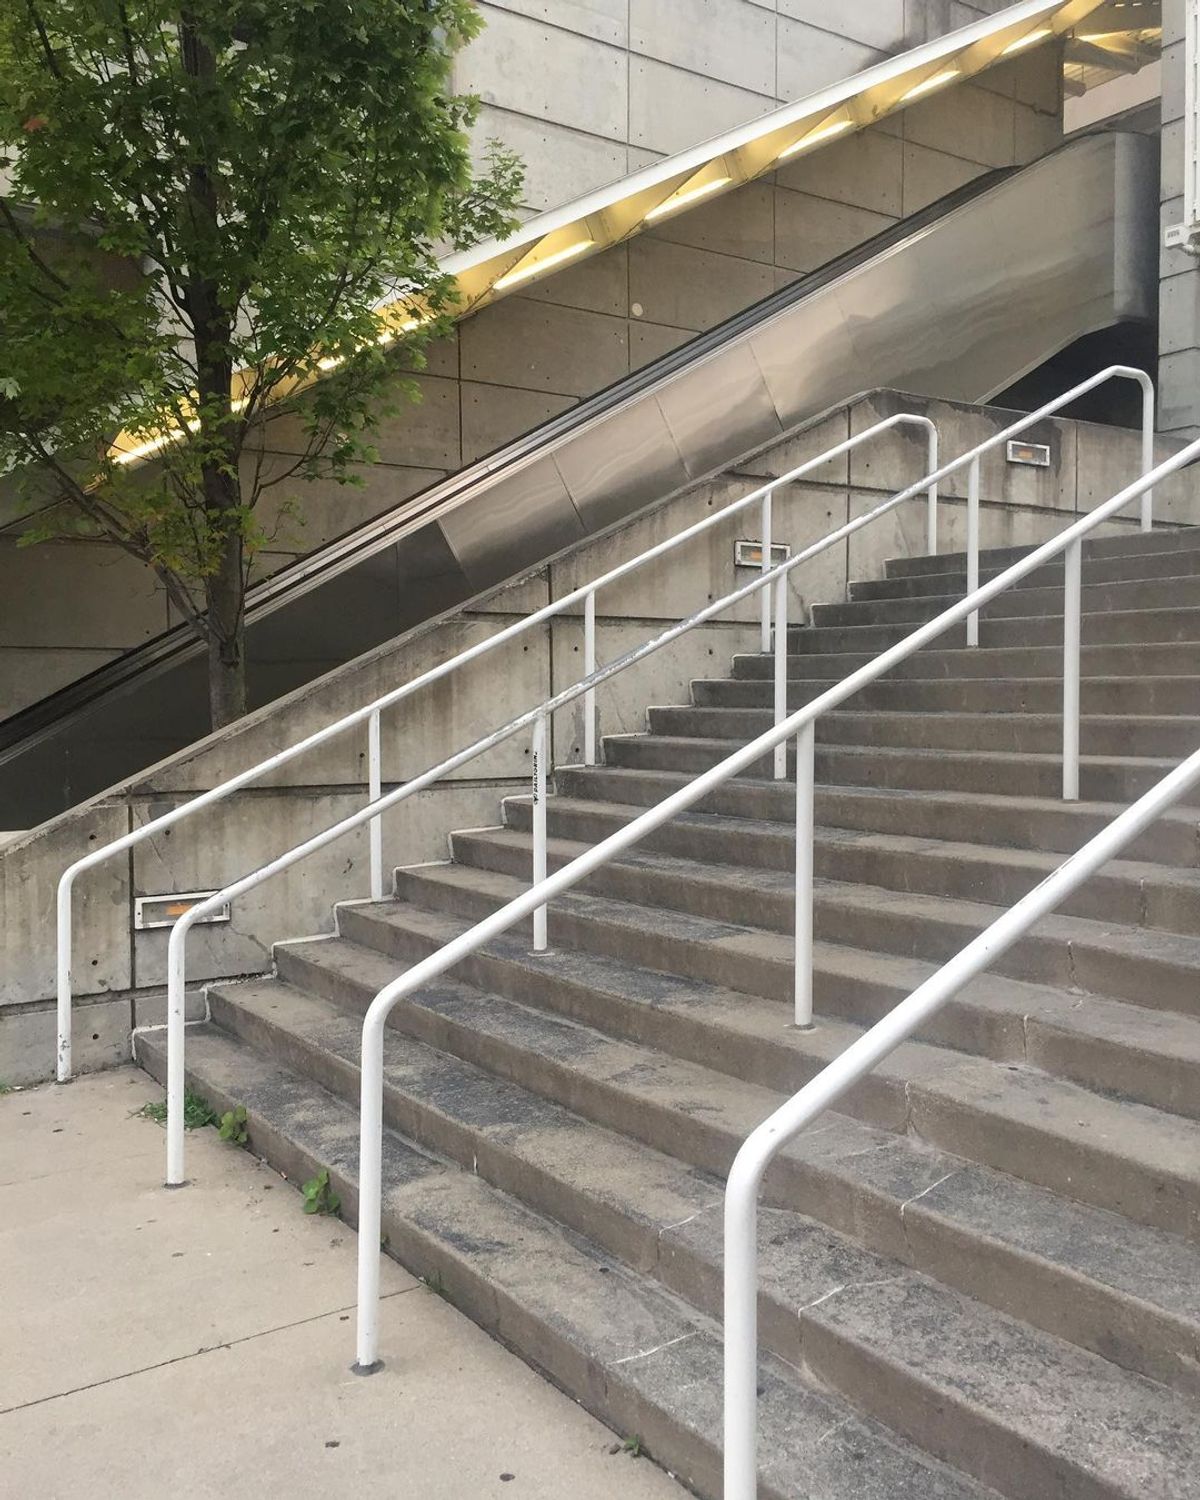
{"x":706,"y":406}
{"x":527,"y":516}
{"x":621,"y":463}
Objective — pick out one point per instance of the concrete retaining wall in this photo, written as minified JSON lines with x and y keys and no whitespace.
{"x":119,"y":972}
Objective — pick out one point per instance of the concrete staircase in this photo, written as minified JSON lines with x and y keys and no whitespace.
{"x":980,"y":1278}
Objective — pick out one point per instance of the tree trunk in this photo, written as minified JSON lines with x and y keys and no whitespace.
{"x":223,"y":591}
{"x":212,"y":332}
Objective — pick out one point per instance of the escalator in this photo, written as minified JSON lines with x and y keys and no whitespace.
{"x":968,"y":299}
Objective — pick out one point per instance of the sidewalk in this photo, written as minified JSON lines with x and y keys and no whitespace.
{"x":196,"y":1343}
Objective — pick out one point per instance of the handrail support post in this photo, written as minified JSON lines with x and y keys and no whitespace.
{"x":931,"y":523}
{"x":1072,"y":631}
{"x":62,"y":1066}
{"x":1147,"y":449}
{"x":973,"y":548}
{"x":767,"y":521}
{"x":374,"y":792}
{"x":781,"y":668}
{"x":805,"y":829}
{"x":589,"y":666}
{"x":539,"y":826}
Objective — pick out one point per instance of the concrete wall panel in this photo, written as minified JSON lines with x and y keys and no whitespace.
{"x":930,"y":175}
{"x":740,"y":224}
{"x":560,"y":162}
{"x":603,"y":20}
{"x":494,"y":414}
{"x":670,"y":110}
{"x":812,"y":59}
{"x":965,"y":121}
{"x":547,"y":73}
{"x":811,"y":231}
{"x":730,"y":40}
{"x":864,"y":170}
{"x":539,"y":346}
{"x":689,"y":288}
{"x":76,"y":595}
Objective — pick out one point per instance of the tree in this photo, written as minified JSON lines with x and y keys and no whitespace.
{"x":208,"y":205}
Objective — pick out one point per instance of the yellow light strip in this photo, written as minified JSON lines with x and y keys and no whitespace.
{"x":815,"y":137}
{"x":152,"y":445}
{"x":535,"y":268}
{"x":938,"y":79}
{"x":1026,"y":41}
{"x":680,"y":200}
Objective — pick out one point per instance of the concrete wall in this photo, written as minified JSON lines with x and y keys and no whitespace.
{"x":1179,"y":296}
{"x":70,"y":606}
{"x":119,"y":972}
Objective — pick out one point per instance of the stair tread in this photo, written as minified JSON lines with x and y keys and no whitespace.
{"x":1162,"y":1034}
{"x":964,"y":1353}
{"x":511,"y":1267}
{"x":1164,"y":763}
{"x":1033,"y":1102}
{"x":972,"y":916}
{"x":638,"y":1069}
{"x":1034,"y":860}
{"x":1000,"y":800}
{"x":938,"y":715}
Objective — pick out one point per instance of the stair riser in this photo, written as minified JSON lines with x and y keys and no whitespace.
{"x":1128,"y":543}
{"x":1152,"y":626}
{"x":1167,"y":695}
{"x":636,"y":1243}
{"x":1002,"y":733}
{"x":981,"y":1031}
{"x":878,"y":1100}
{"x":1170,"y":659}
{"x":927,"y":934}
{"x":1095,"y":571}
{"x":818,"y":1189}
{"x":1105,"y":897}
{"x":623,"y":1406}
{"x":842,"y":766}
{"x":1059,"y":827}
{"x":1163,"y":593}
{"x":809,"y":1339}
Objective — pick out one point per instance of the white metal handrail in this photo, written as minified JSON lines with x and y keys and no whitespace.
{"x":801,"y":726}
{"x":370,"y":712}
{"x":536,"y":718}
{"x":839,"y":1076}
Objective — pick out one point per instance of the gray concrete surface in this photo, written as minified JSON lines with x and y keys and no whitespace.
{"x":196,"y":1343}
{"x":117,"y":970}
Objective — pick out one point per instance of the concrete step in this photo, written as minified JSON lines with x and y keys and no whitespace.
{"x":1099,"y":628}
{"x":1152,"y":968}
{"x":1099,"y":696}
{"x":1133,"y":893}
{"x":622,"y":957}
{"x":1172,"y":736}
{"x":1131,"y":543}
{"x":629,"y":1350}
{"x":1169,"y":659}
{"x":1037,"y":823}
{"x":1102,"y":778}
{"x":1122,"y":568}
{"x":852,"y":1177}
{"x":1098,"y":598}
{"x":822,"y":1291}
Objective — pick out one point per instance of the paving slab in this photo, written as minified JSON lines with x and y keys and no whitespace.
{"x":200,"y":1339}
